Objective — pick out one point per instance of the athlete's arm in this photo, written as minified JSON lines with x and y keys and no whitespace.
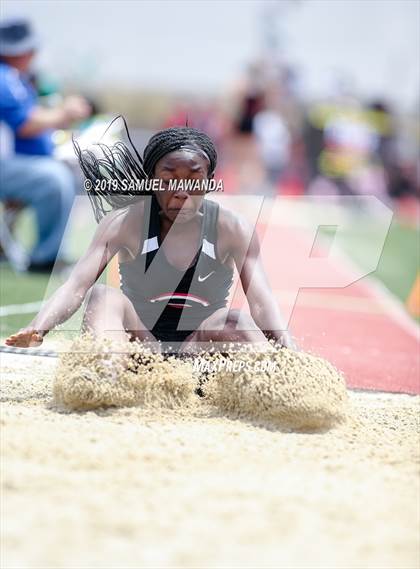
{"x":67,"y":299}
{"x":263,"y":304}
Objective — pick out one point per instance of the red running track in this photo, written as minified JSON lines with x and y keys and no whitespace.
{"x":360,"y":328}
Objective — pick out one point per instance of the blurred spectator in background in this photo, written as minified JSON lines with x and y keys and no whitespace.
{"x":247,"y":101}
{"x":399,"y":182}
{"x":252,"y":99}
{"x":342,"y":145}
{"x":201,"y":113}
{"x":352,"y":149}
{"x":273,"y":140}
{"x":29,"y":174}
{"x":265,"y":134}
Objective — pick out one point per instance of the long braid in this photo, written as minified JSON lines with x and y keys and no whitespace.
{"x":118,"y":163}
{"x":115,"y":164}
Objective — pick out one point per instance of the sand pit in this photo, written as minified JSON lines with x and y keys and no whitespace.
{"x":176,"y":482}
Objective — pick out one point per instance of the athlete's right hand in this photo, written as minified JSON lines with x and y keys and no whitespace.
{"x":25,"y":338}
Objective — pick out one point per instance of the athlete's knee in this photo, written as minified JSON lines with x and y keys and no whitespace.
{"x":219,"y":320}
{"x":223,"y":319}
{"x":101,"y":293}
{"x":238,"y":320}
{"x":97,"y":291}
{"x":104,"y":309}
{"x":232,"y":318}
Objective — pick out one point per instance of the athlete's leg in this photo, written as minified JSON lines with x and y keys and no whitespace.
{"x":227,"y":326}
{"x":109,"y":313}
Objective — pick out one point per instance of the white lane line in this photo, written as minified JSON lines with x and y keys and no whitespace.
{"x":28,"y":351}
{"x":396,"y":309}
{"x":27,"y":308}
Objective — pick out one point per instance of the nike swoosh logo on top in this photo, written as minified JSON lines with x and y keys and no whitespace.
{"x":201,"y":279}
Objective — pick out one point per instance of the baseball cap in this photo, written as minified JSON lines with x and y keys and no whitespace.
{"x":17,"y":37}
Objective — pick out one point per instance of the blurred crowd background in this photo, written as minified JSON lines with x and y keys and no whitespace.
{"x":302,"y":97}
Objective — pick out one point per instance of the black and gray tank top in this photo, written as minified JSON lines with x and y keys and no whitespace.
{"x":172,"y":302}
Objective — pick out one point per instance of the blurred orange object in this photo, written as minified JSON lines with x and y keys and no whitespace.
{"x":113,"y":275}
{"x":413,"y":300}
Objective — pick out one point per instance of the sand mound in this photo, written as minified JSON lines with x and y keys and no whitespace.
{"x":100,"y":373}
{"x":302,"y":392}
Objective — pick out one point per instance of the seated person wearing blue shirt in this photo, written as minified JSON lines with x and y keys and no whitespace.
{"x":31,"y":175}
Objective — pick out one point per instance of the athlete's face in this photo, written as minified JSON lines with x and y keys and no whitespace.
{"x":181,"y":205}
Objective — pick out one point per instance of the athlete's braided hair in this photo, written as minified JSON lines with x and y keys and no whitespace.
{"x":118,"y":164}
{"x":174,"y":138}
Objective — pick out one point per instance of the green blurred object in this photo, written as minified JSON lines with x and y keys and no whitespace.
{"x":46,"y":85}
{"x":399,"y":262}
{"x":17,"y":288}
